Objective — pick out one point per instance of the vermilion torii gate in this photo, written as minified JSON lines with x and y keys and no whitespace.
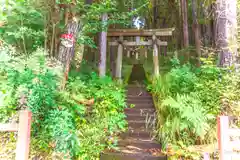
{"x":153,"y":40}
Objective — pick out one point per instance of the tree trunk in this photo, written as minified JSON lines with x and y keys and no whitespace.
{"x":66,"y":49}
{"x":185,"y":23}
{"x":177,"y":19}
{"x":208,"y":24}
{"x":196,"y":31}
{"x":103,"y":47}
{"x":226,"y":31}
{"x":52,"y":20}
{"x":184,"y":9}
{"x":210,"y":32}
{"x":155,"y":14}
{"x":180,"y":24}
{"x":113,"y":60}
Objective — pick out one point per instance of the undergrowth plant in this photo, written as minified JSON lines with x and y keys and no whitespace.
{"x":23,"y":26}
{"x":76,"y":123}
{"x":188,"y":102}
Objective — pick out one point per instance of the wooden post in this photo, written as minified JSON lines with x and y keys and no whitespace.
{"x":228,"y":147}
{"x":119,"y":59}
{"x":146,"y":52}
{"x":206,"y":156}
{"x":136,"y":55}
{"x":160,"y":51}
{"x":155,"y":56}
{"x":103,"y":47}
{"x":138,"y":40}
{"x":128,"y":53}
{"x":165,"y":51}
{"x":223,"y":124}
{"x":112,"y":60}
{"x":24,"y":133}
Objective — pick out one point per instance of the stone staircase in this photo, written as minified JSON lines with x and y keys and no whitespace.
{"x":137,"y":143}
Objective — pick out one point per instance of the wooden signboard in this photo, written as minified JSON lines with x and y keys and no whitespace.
{"x":228,"y":140}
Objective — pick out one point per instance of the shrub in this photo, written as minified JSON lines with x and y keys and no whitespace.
{"x":63,"y":124}
{"x":188,"y":101}
{"x":186,"y":118}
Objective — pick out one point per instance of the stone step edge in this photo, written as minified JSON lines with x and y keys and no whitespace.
{"x":140,"y":146}
{"x":141,"y":156}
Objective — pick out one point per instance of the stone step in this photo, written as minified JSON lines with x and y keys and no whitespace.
{"x":136,"y":90}
{"x":142,"y":106}
{"x":136,"y":117}
{"x":139,"y":97}
{"x":137,"y":125}
{"x":137,"y":143}
{"x":130,"y":86}
{"x":137,"y":132}
{"x":137,"y":150}
{"x":142,"y":112}
{"x":141,"y":125}
{"x":140,"y":100}
{"x":138,"y":94}
{"x":128,"y":155}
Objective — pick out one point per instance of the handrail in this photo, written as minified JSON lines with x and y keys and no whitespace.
{"x":24,"y":130}
{"x":228,"y":148}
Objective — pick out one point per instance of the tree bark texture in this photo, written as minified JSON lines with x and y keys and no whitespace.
{"x":66,"y":49}
{"x":155,"y":13}
{"x":180,"y":24}
{"x":185,"y":23}
{"x":208,"y":34}
{"x":196,"y":31}
{"x":103,"y":47}
{"x":226,"y":31}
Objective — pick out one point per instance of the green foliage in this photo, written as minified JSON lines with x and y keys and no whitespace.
{"x":186,"y":118}
{"x":181,"y":79}
{"x":29,"y":24}
{"x":62,"y":123}
{"x":24,"y":26}
{"x":118,"y":13}
{"x":188,"y":102}
{"x":230,"y":96}
{"x":101,"y":121}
